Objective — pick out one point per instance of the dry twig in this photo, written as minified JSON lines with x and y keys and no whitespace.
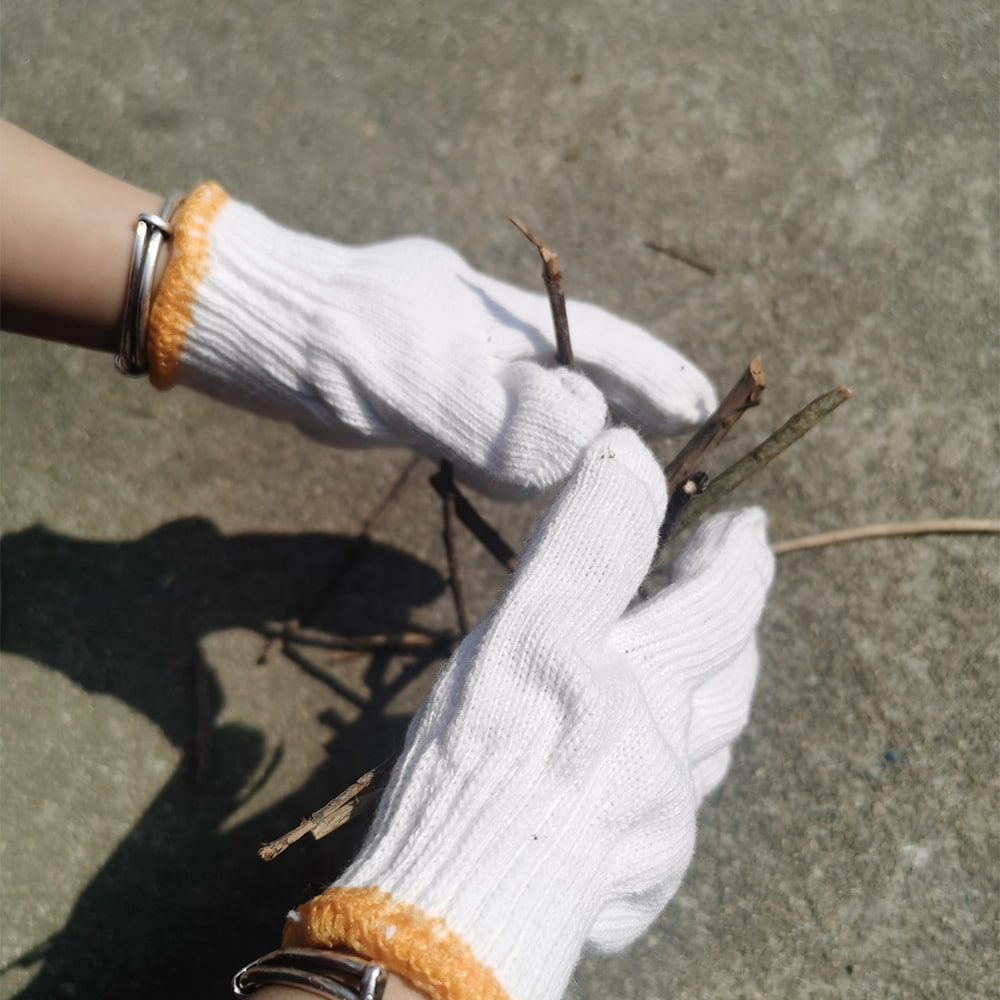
{"x":742,"y":397}
{"x":356,"y":800}
{"x":488,"y":536}
{"x":787,"y":434}
{"x":443,"y":481}
{"x":353,"y":645}
{"x":945,"y":526}
{"x":682,"y":257}
{"x":552,"y":277}
{"x":685,"y":479}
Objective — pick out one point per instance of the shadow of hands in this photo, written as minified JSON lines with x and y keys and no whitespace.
{"x":181,"y":902}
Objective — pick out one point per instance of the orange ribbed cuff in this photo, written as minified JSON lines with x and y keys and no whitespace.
{"x":399,"y":937}
{"x":173,"y":308}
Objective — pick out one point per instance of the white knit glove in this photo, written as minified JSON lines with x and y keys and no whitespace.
{"x":401,"y":343}
{"x":546,"y":797}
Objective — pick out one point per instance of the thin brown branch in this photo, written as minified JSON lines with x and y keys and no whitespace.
{"x":742,"y":397}
{"x":552,"y":277}
{"x":685,"y":492}
{"x":485,"y":533}
{"x":682,"y":257}
{"x":395,"y":642}
{"x":447,"y":492}
{"x":685,"y":478}
{"x":455,"y":503}
{"x":443,"y":481}
{"x":940,"y":526}
{"x":785,"y":436}
{"x":355,"y":800}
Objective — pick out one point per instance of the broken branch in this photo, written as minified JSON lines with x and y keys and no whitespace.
{"x":396,"y":642}
{"x":487,"y":535}
{"x":444,"y":483}
{"x":744,"y":395}
{"x":552,"y":277}
{"x":785,"y":436}
{"x":358,"y":798}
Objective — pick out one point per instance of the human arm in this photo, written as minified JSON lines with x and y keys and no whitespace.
{"x":397,"y":343}
{"x":66,"y":234}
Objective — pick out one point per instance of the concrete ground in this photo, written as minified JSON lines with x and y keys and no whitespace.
{"x":835,"y":160}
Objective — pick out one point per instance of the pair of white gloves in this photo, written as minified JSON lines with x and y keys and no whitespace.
{"x":545,"y":800}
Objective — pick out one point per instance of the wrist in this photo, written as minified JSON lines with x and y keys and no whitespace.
{"x":70,"y":288}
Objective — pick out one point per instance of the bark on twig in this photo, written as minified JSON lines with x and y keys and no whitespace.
{"x":690,"y":488}
{"x":552,"y":277}
{"x":742,"y":397}
{"x":940,"y":526}
{"x":486,"y":534}
{"x":444,"y":483}
{"x":685,"y":478}
{"x":359,"y":798}
{"x":786,"y":435}
{"x":395,"y":642}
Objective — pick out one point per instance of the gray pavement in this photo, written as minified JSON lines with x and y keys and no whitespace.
{"x":837,"y":162}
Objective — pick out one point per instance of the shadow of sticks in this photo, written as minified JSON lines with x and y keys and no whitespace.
{"x":179,"y":905}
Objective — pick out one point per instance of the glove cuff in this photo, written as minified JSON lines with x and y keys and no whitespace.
{"x":172,"y":315}
{"x":400,"y":937}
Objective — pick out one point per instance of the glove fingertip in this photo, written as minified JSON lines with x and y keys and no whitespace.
{"x":737,"y":538}
{"x":626,"y":448}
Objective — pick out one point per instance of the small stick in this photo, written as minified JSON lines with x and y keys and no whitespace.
{"x":447,"y":474}
{"x":946,"y":526}
{"x":488,"y":536}
{"x":552,"y":277}
{"x":393,"y":641}
{"x":786,"y":435}
{"x":355,"y":800}
{"x":744,"y":395}
{"x":455,"y":502}
{"x":444,"y":481}
{"x":691,"y":487}
{"x":679,"y":255}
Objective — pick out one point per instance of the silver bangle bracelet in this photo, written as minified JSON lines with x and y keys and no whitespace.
{"x":317,"y":972}
{"x":150,"y":233}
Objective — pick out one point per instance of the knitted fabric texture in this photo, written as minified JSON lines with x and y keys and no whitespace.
{"x":172,"y":315}
{"x":398,"y":936}
{"x":545,"y":800}
{"x":401,"y":343}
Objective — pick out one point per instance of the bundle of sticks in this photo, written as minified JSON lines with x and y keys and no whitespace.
{"x":691,"y":494}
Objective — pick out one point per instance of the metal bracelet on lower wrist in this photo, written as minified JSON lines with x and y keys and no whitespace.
{"x":150,"y":233}
{"x":318,"y":972}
